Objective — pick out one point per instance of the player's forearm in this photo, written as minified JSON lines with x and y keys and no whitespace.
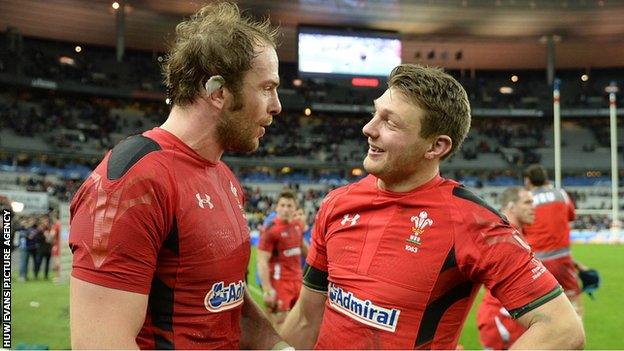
{"x":256,"y":330}
{"x":551,"y":335}
{"x":265,"y":279}
{"x":304,"y":249}
{"x":578,"y":265}
{"x":298,"y":330}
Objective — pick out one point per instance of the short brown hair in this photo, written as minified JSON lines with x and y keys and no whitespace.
{"x":443,"y":99}
{"x":511,"y":194}
{"x":287,"y":194}
{"x":537,"y":174}
{"x":217,"y":40}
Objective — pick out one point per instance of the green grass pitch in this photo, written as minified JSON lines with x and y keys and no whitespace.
{"x":41,"y":313}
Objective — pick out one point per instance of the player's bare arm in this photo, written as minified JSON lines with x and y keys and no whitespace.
{"x":554,"y":325}
{"x":301,"y":327}
{"x":304,"y":248}
{"x":268,"y":292}
{"x":104,"y":318}
{"x":256,"y":330}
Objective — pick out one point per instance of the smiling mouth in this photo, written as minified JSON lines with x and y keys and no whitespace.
{"x":375,"y":150}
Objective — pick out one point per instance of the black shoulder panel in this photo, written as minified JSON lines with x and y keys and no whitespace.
{"x":127,"y":153}
{"x":466,"y":194}
{"x":450,"y":261}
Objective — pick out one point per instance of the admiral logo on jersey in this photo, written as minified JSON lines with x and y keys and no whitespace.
{"x":292,"y":252}
{"x":363,"y":311}
{"x":221,"y":297}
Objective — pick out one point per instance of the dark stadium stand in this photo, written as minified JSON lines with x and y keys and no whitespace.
{"x":61,"y":110}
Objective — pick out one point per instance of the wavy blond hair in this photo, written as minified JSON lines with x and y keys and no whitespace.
{"x":217,"y":40}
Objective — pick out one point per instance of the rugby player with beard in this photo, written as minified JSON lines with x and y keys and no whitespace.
{"x":158,"y":232}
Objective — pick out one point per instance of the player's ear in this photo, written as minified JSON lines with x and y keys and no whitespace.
{"x":440,"y":146}
{"x":215,"y":91}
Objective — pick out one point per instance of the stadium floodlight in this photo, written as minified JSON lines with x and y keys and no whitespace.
{"x":115,"y":5}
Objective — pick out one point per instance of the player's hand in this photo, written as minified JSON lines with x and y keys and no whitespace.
{"x":270,"y":299}
{"x":282,"y":345}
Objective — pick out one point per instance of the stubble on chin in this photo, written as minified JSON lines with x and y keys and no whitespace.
{"x":234,"y":133}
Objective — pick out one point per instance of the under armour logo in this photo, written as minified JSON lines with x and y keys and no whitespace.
{"x":347,"y":218}
{"x":201,"y":202}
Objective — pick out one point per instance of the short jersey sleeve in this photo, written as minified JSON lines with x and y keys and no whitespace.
{"x":118,"y":227}
{"x":315,"y":275}
{"x":268,"y":240}
{"x":493,"y":253}
{"x":317,"y":253}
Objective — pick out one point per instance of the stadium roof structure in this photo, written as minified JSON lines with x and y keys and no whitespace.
{"x":488,"y":33}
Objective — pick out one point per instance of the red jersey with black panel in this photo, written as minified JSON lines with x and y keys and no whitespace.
{"x":403,"y":268}
{"x":155,"y":218}
{"x":551,"y":229}
{"x":283,"y":240}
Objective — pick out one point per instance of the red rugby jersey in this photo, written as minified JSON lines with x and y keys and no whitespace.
{"x":283,"y":240}
{"x":155,"y":218}
{"x":553,"y":212}
{"x":402,"y":269}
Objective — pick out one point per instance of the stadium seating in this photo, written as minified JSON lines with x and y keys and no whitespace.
{"x":60,"y":112}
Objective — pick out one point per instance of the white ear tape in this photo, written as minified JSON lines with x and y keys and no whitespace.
{"x":214,"y":83}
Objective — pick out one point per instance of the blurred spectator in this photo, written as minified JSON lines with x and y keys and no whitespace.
{"x":44,"y":240}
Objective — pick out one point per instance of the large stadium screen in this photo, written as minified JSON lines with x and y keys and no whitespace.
{"x":324,"y":51}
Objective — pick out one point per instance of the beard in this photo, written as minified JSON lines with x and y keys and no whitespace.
{"x":234,"y":132}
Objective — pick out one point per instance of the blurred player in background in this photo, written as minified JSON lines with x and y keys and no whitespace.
{"x":497,"y":330}
{"x":279,"y":258}
{"x":549,"y":235}
{"x":397,"y":258}
{"x":301,"y":216}
{"x":158,"y":232}
{"x":55,"y":233}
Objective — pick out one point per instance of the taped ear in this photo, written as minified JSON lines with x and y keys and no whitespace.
{"x":214,"y":83}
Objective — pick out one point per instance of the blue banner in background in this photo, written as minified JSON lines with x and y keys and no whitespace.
{"x":605,"y":236}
